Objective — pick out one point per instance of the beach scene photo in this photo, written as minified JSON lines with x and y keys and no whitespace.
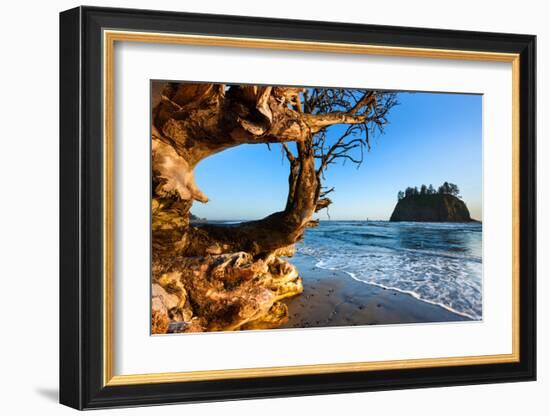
{"x":294,"y":207}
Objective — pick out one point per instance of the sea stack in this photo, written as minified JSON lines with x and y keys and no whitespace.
{"x":431,"y":208}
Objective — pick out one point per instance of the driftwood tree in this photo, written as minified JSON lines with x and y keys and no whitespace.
{"x":216,"y":277}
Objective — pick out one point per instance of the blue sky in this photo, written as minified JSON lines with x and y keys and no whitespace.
{"x":431,"y":138}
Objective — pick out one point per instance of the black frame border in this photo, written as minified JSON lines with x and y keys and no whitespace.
{"x":81,"y":206}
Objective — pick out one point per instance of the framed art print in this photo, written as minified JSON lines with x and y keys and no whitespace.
{"x":258,"y":207}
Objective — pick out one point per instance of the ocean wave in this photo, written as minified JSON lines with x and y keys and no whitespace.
{"x":416,"y":296}
{"x":444,"y":270}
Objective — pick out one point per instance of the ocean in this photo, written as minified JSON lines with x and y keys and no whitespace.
{"x":439,"y":263}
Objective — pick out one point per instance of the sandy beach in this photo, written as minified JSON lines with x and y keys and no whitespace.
{"x":333,"y":298}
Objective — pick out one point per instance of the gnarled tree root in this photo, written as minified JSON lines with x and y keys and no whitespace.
{"x":222,"y":293}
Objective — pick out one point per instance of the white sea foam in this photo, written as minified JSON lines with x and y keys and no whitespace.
{"x":436,"y":263}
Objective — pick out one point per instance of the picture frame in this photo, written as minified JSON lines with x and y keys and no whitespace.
{"x":87,"y":168}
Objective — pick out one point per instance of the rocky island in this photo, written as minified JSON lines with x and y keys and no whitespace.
{"x":428,"y":205}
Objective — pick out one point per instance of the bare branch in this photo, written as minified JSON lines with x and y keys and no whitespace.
{"x":290,"y":156}
{"x":319,"y":121}
{"x":365,"y":101}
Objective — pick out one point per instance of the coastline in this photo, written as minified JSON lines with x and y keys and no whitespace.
{"x":333,"y":298}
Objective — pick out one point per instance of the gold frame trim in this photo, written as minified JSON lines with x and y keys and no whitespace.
{"x":112,"y":36}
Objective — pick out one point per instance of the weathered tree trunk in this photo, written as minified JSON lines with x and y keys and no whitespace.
{"x":213,"y":277}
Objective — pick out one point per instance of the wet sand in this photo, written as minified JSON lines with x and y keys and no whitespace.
{"x":333,"y":298}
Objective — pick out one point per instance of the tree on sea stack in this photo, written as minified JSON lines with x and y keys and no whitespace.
{"x":222,"y":277}
{"x":444,"y":205}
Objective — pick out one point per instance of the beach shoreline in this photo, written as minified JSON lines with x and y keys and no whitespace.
{"x":333,"y":298}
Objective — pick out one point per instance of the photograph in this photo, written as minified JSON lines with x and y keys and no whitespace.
{"x":256,"y":206}
{"x":295,"y":207}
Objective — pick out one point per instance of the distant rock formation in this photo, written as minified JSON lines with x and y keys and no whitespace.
{"x":431,"y":208}
{"x":193,"y":217}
